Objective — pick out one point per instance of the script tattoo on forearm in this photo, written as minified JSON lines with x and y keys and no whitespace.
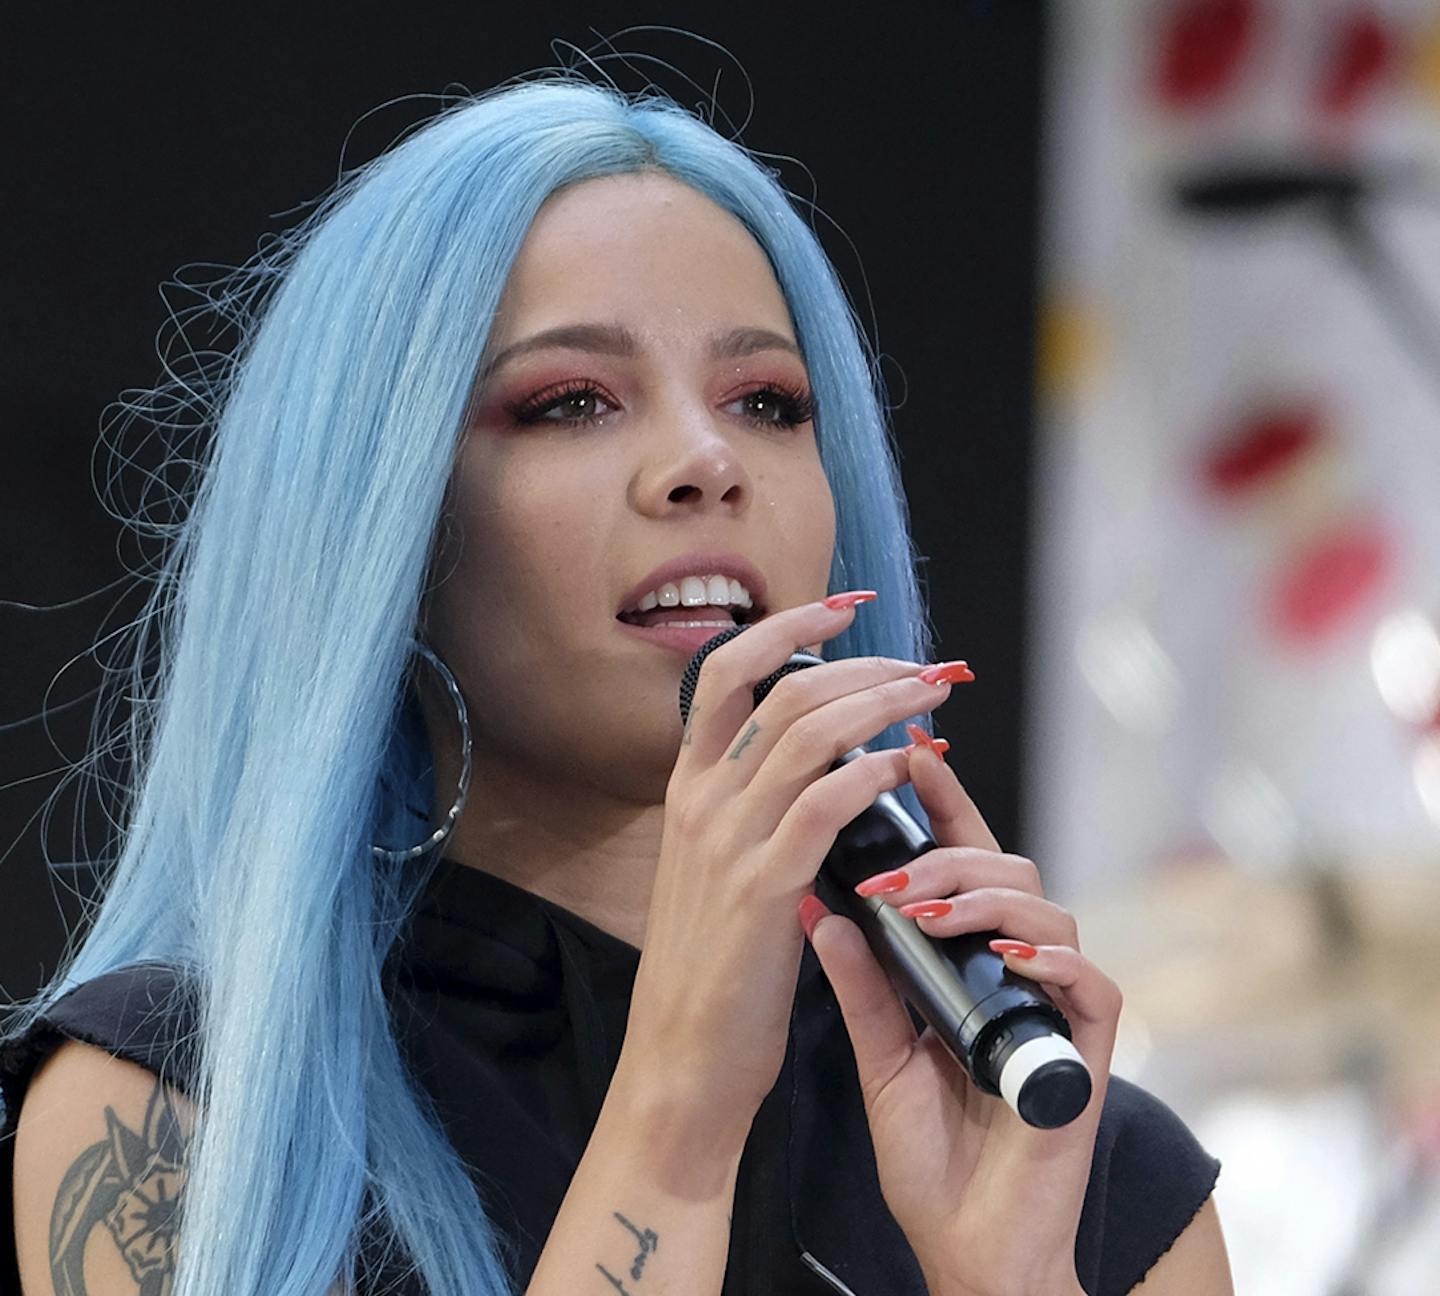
{"x":648,"y":1241}
{"x":745,"y":739}
{"x":129,"y":1182}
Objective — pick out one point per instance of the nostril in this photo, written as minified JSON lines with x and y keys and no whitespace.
{"x":681,"y":493}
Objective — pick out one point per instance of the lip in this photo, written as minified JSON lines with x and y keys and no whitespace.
{"x":686,"y":642}
{"x":699,"y":563}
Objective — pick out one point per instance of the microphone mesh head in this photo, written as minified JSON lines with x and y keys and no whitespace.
{"x":688,"y":681}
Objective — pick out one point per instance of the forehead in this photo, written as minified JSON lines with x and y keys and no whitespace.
{"x":644,"y":246}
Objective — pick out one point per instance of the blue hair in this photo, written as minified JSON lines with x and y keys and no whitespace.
{"x":270,"y":725}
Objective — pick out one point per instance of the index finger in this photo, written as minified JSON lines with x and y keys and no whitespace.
{"x":725,"y":690}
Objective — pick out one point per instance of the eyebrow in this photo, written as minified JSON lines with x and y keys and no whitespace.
{"x":616,"y":339}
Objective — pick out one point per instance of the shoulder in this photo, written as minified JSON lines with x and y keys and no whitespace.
{"x":145,"y":1013}
{"x":1149,"y":1179}
{"x":99,"y":1168}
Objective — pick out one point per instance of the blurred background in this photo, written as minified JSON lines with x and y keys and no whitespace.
{"x":1233,"y":763}
{"x":1156,"y":287}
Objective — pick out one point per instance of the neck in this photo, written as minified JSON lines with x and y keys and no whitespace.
{"x":574,"y":844}
{"x":570,"y":843}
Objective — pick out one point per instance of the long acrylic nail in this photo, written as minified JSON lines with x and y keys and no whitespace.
{"x":812,"y":909}
{"x":956,"y":672}
{"x":927,"y":909}
{"x":835,"y":602}
{"x":884,"y":883}
{"x":937,"y":745}
{"x":1020,"y":949}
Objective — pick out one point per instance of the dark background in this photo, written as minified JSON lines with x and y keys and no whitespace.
{"x":143,"y":138}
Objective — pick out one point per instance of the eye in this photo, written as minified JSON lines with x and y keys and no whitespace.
{"x":778,"y":405}
{"x":775,"y":405}
{"x":576,"y":401}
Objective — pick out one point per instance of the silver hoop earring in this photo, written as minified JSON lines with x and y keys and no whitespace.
{"x":447,"y":826}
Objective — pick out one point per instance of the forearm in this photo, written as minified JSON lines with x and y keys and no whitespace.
{"x":651,"y":1200}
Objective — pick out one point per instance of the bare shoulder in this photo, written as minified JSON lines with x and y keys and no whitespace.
{"x":1196,"y":1263}
{"x":99,"y":1169}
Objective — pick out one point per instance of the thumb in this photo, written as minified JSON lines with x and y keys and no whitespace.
{"x":881,"y":1032}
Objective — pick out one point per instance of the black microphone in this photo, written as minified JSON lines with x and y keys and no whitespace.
{"x":1002,"y":1028}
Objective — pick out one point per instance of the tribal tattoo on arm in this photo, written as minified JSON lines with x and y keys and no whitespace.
{"x":129,"y":1184}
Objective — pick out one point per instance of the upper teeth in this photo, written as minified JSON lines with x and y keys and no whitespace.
{"x":696,"y":591}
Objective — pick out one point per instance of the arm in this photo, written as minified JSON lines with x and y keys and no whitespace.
{"x":99,"y":1166}
{"x":651,"y":1200}
{"x":1196,"y":1263}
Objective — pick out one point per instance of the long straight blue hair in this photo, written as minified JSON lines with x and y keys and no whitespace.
{"x":267,"y":733}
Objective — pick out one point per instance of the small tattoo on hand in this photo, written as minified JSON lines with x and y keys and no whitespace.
{"x":745,"y":740}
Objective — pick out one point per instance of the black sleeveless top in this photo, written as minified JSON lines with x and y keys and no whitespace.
{"x":512,"y":1011}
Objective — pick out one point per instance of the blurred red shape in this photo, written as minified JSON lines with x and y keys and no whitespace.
{"x":1360,"y":53}
{"x":1200,"y":47}
{"x":1328,"y":579}
{"x":1260,"y":447}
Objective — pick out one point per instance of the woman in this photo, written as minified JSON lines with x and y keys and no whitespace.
{"x":554,"y":363}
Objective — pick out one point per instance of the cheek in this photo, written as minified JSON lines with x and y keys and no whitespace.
{"x":522,"y":538}
{"x":809,"y":523}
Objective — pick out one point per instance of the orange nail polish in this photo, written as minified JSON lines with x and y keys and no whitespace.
{"x":956,"y":672}
{"x":1020,"y":949}
{"x":884,"y":883}
{"x":812,"y":910}
{"x":848,"y":599}
{"x":938,"y":745}
{"x":927,"y":909}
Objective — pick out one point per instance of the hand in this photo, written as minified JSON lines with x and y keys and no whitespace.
{"x":751,"y":809}
{"x":989,"y":1204}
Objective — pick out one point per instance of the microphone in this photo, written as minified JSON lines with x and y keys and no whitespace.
{"x":1002,"y":1028}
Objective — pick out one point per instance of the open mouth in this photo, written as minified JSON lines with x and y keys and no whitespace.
{"x":703,"y":613}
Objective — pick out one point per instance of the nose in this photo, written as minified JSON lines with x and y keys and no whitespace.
{"x":689,"y":468}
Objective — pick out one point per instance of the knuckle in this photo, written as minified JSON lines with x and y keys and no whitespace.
{"x":801,"y":738}
{"x":811,"y":810}
{"x":1071,"y":926}
{"x":790,"y":691}
{"x":686,"y":814}
{"x":1030,"y":871}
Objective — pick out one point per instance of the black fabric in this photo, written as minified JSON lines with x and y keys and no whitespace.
{"x":512,"y":1012}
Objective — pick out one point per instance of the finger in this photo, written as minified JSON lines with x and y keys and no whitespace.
{"x":950,"y":870}
{"x":1091,"y":994}
{"x":954,"y":820}
{"x":807,"y":829}
{"x":821,"y":717}
{"x":724,"y":692}
{"x":882,"y":1034}
{"x":1011,"y":913}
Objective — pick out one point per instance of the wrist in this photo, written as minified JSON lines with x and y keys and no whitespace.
{"x":940,"y":1281}
{"x":693,"y":1154}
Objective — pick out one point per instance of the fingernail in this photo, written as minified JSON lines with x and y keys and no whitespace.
{"x":956,"y":672}
{"x":884,"y":883}
{"x":1020,"y":949}
{"x":937,"y":745}
{"x":812,"y":910}
{"x":848,"y":599}
{"x":927,"y":909}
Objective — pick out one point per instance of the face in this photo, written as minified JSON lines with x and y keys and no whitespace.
{"x":587,"y":465}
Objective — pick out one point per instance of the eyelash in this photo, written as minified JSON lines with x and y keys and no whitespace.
{"x":796,"y":406}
